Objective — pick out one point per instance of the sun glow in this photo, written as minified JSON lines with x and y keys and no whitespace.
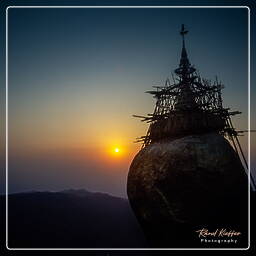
{"x":118,"y":148}
{"x":117,"y":151}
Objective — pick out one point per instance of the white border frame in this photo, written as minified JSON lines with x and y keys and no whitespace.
{"x":249,"y":128}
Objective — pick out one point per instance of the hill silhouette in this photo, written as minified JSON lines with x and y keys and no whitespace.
{"x":71,"y":219}
{"x":78,"y":219}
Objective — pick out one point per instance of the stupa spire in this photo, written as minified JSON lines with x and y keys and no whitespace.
{"x":184,"y":66}
{"x":184,"y":61}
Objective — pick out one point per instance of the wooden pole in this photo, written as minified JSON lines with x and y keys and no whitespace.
{"x":242,"y":153}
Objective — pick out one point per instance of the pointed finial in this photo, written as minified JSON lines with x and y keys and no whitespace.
{"x":183,"y":31}
{"x":184,"y":67}
{"x":184,"y":57}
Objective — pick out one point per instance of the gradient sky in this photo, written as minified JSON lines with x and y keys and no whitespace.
{"x":76,"y":76}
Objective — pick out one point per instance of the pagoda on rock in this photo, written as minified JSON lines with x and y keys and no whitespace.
{"x":189,"y":105}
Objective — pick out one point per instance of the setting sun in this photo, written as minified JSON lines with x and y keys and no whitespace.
{"x":117,"y":150}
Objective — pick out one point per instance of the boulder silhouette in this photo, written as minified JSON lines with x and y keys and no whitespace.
{"x":179,"y":186}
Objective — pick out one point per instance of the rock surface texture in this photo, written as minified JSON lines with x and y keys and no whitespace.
{"x":177,"y":187}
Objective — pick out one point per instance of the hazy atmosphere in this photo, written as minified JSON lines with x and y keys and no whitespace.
{"x":76,"y":77}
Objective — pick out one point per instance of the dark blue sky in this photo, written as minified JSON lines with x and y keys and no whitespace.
{"x":77,"y":75}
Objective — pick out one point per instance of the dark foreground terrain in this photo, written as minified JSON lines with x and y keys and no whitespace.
{"x":71,"y":219}
{"x":79,"y":219}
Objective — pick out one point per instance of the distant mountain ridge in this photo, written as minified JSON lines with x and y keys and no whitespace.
{"x":84,"y":192}
{"x":72,"y":218}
